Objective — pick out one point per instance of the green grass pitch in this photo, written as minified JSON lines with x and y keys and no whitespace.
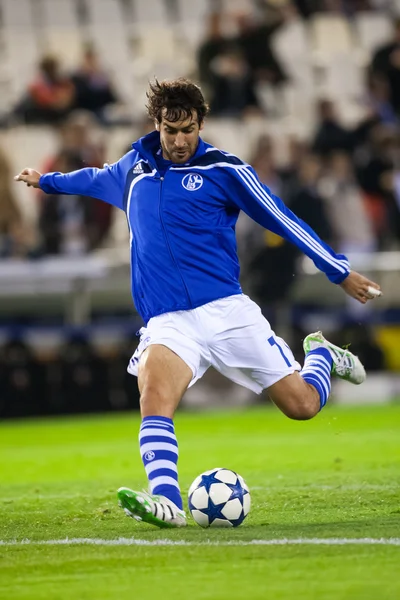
{"x":334,"y":478}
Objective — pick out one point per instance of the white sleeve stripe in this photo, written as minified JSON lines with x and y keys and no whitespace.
{"x":253,"y":184}
{"x":300,"y":233}
{"x":213,"y":149}
{"x":296,"y":229}
{"x":205,"y":168}
{"x":128,"y":204}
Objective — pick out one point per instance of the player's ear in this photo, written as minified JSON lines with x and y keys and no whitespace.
{"x":201,"y":125}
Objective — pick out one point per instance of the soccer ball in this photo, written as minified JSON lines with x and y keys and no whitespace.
{"x":219,"y":498}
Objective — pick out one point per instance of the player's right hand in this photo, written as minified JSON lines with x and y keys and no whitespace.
{"x":30,"y":177}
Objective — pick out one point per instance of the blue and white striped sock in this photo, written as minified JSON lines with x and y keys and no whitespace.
{"x":317,"y":371}
{"x":159,"y":452}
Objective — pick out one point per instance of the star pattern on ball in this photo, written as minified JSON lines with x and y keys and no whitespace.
{"x":214,"y":511}
{"x":237,"y":490}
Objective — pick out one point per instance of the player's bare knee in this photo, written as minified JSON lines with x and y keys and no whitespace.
{"x":302,"y":407}
{"x":154,"y":401}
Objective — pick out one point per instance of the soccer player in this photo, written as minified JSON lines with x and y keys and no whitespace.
{"x":182,"y":198}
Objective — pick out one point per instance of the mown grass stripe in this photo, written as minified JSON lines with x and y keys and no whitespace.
{"x":166,"y":542}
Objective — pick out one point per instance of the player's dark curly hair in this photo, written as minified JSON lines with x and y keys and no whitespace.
{"x":179,"y":97}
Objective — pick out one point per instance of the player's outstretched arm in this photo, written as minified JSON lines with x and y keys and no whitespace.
{"x":30,"y":177}
{"x":268,"y":210}
{"x":359,"y":287}
{"x":106,"y":184}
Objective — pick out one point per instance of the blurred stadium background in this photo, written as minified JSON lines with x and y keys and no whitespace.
{"x":307,"y":91}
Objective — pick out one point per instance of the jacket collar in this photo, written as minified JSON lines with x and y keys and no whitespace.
{"x":148,"y":145}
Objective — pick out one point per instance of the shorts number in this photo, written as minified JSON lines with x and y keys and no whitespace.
{"x":272,"y":341}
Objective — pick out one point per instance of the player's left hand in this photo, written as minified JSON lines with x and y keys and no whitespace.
{"x":356,"y":286}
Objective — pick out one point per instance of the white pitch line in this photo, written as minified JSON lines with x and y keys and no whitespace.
{"x":166,"y":542}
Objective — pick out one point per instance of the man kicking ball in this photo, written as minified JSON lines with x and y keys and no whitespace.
{"x":182,"y":198}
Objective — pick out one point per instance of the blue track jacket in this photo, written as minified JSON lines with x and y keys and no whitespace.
{"x":182,"y":225}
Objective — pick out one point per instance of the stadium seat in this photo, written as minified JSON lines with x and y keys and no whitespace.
{"x":330,"y":35}
{"x":62,"y":13}
{"x":344,"y":78}
{"x":193,"y":12}
{"x":105,"y":16}
{"x":373,"y":30}
{"x":17,"y":14}
{"x":300,"y":106}
{"x":227,"y":134}
{"x":150,"y":12}
{"x":292,"y":48}
{"x":290,"y":42}
{"x":192,"y":22}
{"x":61,"y":33}
{"x":65,"y":44}
{"x":20,"y":45}
{"x":162,"y":51}
{"x":118,"y":140}
{"x":107,"y":13}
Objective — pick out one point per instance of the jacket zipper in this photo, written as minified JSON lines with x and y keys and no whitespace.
{"x":169,"y":247}
{"x":137,"y":287}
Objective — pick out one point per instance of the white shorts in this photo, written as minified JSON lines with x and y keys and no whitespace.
{"x":229,"y":334}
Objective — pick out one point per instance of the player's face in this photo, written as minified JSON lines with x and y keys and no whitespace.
{"x":179,"y":139}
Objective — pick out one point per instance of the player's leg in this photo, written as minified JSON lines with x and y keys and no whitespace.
{"x":170,"y":357}
{"x":302,"y":395}
{"x":163,"y":378}
{"x":297,"y":398}
{"x":247,"y":351}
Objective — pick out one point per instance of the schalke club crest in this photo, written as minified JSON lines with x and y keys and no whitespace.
{"x":192,"y":182}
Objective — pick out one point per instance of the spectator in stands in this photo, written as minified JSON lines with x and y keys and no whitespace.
{"x":268,"y":261}
{"x":254,"y":39}
{"x":50,"y":96}
{"x":376,"y":163}
{"x":214,"y":44}
{"x":232,"y":93}
{"x":263,"y":162}
{"x":251,"y":236}
{"x":307,"y":7}
{"x":330,"y":134}
{"x":14,"y":239}
{"x":68,"y":224}
{"x":94,"y":90}
{"x":78,"y":138}
{"x":379,"y":99}
{"x":307,"y":203}
{"x":386,"y":63}
{"x":346,"y":207}
{"x":289,"y":172}
{"x":78,"y":135}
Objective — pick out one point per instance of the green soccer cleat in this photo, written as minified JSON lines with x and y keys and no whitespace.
{"x":155,"y":510}
{"x":345,"y":364}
